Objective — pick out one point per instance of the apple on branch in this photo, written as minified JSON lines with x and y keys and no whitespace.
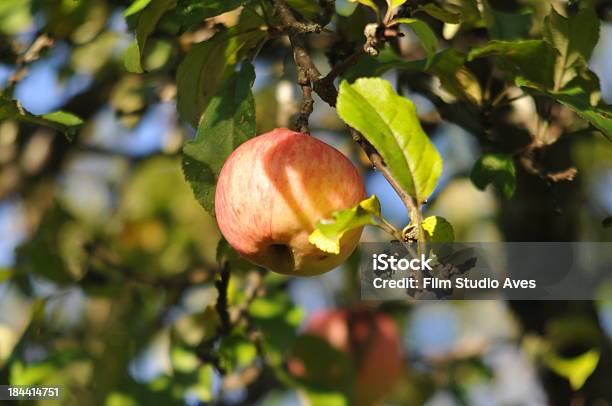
{"x":272,"y":191}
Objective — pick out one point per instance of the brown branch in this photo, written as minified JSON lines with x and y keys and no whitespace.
{"x":309,"y":77}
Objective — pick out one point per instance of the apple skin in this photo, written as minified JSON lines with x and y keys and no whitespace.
{"x":372,"y":342}
{"x":271,"y":192}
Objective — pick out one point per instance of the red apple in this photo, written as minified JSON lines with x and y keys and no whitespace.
{"x":372,"y":342}
{"x":272,"y":191}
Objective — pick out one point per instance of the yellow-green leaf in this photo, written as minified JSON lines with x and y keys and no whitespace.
{"x":393,"y":4}
{"x":390,"y":123}
{"x":329,"y":232}
{"x":577,"y":370}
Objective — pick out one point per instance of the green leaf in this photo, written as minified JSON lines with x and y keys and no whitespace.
{"x":386,"y":60}
{"x":506,"y":26}
{"x":327,"y":373}
{"x":236,"y":351}
{"x":64,"y":122}
{"x":448,"y":65}
{"x":424,"y":33}
{"x":438,"y":229}
{"x":440,"y":13}
{"x":577,"y":370}
{"x":192,"y":12}
{"x":147,"y":21}
{"x":390,"y":123}
{"x":329,"y":232}
{"x":577,"y":99}
{"x":308,"y":8}
{"x":229,"y":120}
{"x":208,"y":63}
{"x":131,"y":58}
{"x":277,"y":318}
{"x":5,"y":274}
{"x":574,"y":38}
{"x":497,"y":169}
{"x":517,"y":58}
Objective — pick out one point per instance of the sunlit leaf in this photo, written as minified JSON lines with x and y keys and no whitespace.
{"x":393,"y":4}
{"x":329,"y":232}
{"x":390,"y":123}
{"x":227,"y":122}
{"x":577,"y":370}
{"x":497,"y":169}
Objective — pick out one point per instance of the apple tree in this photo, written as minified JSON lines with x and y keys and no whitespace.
{"x":180,"y":233}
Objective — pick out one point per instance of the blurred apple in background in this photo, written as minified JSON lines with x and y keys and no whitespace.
{"x":272,"y":191}
{"x":369,"y":339}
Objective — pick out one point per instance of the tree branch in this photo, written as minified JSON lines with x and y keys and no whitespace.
{"x":309,"y":77}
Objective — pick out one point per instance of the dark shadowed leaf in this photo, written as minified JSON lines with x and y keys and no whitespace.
{"x":448,"y":65}
{"x":506,"y":26}
{"x":497,"y":169}
{"x":390,"y":123}
{"x":192,"y":12}
{"x":517,"y":58}
{"x":208,"y":63}
{"x":308,"y":8}
{"x":574,"y":38}
{"x":227,"y":122}
{"x":579,"y":101}
{"x":440,"y":14}
{"x":424,"y":33}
